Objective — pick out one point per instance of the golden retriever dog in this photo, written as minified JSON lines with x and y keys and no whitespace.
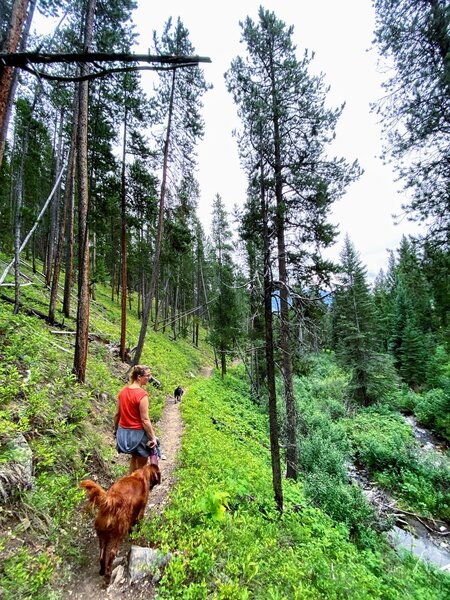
{"x":119,"y":509}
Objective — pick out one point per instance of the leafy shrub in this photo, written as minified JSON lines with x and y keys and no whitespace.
{"x":438,"y":375}
{"x":55,"y":495}
{"x":10,"y":380}
{"x":383,"y":379}
{"x":381,"y":441}
{"x":345,"y":504}
{"x":24,"y":575}
{"x":404,"y":400}
{"x":325,"y":451}
{"x":423,"y":489}
{"x":433,"y":410}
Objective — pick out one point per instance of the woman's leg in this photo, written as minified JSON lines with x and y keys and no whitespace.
{"x":137,"y":462}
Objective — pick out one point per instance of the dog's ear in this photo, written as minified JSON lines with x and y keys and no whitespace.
{"x":155,"y":476}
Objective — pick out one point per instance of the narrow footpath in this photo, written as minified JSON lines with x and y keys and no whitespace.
{"x":86,"y":583}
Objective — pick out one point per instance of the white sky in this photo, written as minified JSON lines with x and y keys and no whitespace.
{"x":340,"y":33}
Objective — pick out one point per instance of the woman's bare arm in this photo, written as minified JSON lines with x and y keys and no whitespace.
{"x":146,"y":423}
{"x":117,"y":417}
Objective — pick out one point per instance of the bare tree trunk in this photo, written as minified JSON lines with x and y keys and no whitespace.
{"x":53,"y":235}
{"x":69,"y":198}
{"x":18,"y":212}
{"x":197,"y":295}
{"x":68,"y":278}
{"x":81,"y":338}
{"x":160,"y":302}
{"x":93,"y":285}
{"x":138,"y":308}
{"x":33,"y":254}
{"x":113,"y":278}
{"x":285,"y":329}
{"x":154,"y":312}
{"x":15,"y":30}
{"x":123,"y":240}
{"x":174,"y":310}
{"x":166,"y":307}
{"x":270,"y":363}
{"x":158,"y":242}
{"x":223,"y":362}
{"x":208,"y":314}
{"x":285,"y":345}
{"x":118,"y":283}
{"x":67,"y":209}
{"x":18,"y":222}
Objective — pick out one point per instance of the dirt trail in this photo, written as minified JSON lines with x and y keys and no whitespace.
{"x":85,"y":583}
{"x":206,"y":371}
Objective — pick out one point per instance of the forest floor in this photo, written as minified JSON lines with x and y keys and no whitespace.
{"x":86,"y":583}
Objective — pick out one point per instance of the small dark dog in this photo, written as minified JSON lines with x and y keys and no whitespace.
{"x":119,"y":509}
{"x":178,"y":393}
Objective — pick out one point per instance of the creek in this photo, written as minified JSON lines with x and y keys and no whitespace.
{"x":429,"y":539}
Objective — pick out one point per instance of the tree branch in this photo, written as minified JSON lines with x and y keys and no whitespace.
{"x":22,"y":59}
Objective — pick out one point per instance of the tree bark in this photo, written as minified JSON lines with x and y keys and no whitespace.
{"x":270,"y":363}
{"x":68,"y":278}
{"x":81,"y":338}
{"x":55,"y":215}
{"x":67,"y":209}
{"x":285,"y":329}
{"x":175,"y":308}
{"x":15,"y":30}
{"x":159,"y":235}
{"x":18,"y":223}
{"x":123,"y":241}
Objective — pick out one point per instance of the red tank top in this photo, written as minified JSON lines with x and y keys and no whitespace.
{"x":129,"y":399}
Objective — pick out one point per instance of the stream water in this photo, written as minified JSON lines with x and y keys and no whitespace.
{"x":427,"y":539}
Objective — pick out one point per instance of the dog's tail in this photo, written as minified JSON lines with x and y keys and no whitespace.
{"x":96,"y":494}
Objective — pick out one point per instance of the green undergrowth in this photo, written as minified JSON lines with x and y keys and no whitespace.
{"x":228,"y":540}
{"x":325,"y":450}
{"x":431,"y":407}
{"x":384,"y":444}
{"x":67,"y":426}
{"x":334,"y":433}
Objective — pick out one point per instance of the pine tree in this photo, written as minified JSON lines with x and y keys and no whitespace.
{"x":414,"y":35}
{"x":178,"y":104}
{"x":436,"y":268}
{"x":287,"y":128}
{"x":413,"y":277}
{"x":383,"y":301}
{"x":354,"y":330}
{"x":409,"y":345}
{"x":224,"y":308}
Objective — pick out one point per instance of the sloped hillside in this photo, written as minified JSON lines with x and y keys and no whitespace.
{"x":65,"y":427}
{"x":220,"y":525}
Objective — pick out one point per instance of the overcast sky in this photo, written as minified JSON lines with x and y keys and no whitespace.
{"x":340,"y":34}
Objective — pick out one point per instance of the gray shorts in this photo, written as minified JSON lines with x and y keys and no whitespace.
{"x":134,"y":441}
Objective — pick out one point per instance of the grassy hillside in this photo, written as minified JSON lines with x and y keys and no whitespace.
{"x":68,"y":427}
{"x":228,"y":540}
